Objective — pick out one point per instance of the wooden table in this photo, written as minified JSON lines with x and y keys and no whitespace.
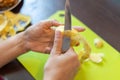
{"x":102,"y":16}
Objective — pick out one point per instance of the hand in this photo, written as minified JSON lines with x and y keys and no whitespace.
{"x":40,"y":37}
{"x":61,"y":66}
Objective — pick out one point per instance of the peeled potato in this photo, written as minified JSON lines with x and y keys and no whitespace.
{"x":76,"y":39}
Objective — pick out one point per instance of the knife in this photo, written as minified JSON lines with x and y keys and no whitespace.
{"x":66,"y":40}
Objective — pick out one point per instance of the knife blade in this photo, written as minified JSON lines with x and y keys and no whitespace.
{"x":66,"y":40}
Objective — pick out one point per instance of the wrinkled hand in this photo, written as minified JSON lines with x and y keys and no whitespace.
{"x":40,"y":37}
{"x":61,"y":66}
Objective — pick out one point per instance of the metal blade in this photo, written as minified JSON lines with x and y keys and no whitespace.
{"x":67,"y":16}
{"x":66,"y":40}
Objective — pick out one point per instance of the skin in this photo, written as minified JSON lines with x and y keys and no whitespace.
{"x":40,"y":38}
{"x":61,"y":66}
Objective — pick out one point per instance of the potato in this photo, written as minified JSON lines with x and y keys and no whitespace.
{"x":76,"y":39}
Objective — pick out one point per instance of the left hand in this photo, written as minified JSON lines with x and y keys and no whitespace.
{"x":40,"y":37}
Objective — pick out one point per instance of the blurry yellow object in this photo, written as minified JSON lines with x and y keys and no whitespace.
{"x":76,"y":39}
{"x":96,"y":57}
{"x":10,"y":23}
{"x":98,"y":43}
{"x":6,"y":29}
{"x":3,"y":22}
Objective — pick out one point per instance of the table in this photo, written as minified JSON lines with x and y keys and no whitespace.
{"x":102,"y":16}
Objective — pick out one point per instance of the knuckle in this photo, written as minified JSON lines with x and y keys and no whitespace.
{"x":75,"y":56}
{"x":51,"y":22}
{"x":55,"y":41}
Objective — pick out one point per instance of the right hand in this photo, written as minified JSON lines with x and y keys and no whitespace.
{"x":61,"y":66}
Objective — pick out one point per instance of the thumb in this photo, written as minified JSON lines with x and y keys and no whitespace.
{"x":57,"y":43}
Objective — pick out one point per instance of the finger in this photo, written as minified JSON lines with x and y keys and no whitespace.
{"x":71,"y":52}
{"x":79,"y":29}
{"x":50,"y":23}
{"x":47,"y":50}
{"x":57,"y":43}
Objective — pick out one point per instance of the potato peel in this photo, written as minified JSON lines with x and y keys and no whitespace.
{"x":76,"y":39}
{"x":13,"y":23}
{"x":96,"y":57}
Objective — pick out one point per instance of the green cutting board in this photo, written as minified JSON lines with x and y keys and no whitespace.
{"x":109,"y":69}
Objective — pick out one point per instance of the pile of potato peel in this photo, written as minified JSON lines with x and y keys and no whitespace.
{"x":11,"y":23}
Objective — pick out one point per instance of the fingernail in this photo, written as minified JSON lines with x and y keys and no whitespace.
{"x":79,"y":28}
